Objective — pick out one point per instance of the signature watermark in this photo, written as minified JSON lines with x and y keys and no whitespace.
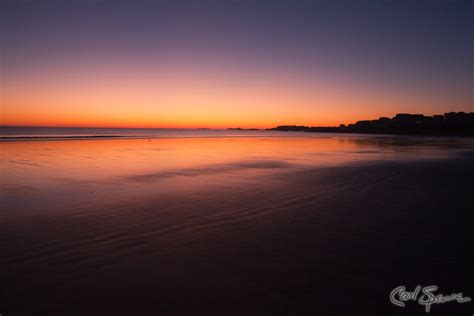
{"x":425,"y":296}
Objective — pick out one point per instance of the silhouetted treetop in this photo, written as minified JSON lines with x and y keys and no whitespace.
{"x":452,"y":123}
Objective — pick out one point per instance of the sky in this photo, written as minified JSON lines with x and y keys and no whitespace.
{"x":217,"y":64}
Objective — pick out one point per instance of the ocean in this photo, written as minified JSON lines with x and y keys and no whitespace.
{"x":17,"y":133}
{"x":156,"y":221}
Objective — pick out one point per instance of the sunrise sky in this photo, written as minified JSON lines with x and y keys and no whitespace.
{"x":232,"y":63}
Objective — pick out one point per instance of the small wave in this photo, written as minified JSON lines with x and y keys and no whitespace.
{"x":39,"y":137}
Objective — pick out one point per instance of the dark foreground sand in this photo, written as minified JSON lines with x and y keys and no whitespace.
{"x":327,"y":241}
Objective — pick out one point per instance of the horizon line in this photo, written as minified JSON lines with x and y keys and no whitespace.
{"x":215,"y":128}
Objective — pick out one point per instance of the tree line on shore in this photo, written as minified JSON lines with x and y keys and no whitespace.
{"x":452,"y":123}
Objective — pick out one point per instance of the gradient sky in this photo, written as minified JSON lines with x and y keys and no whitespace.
{"x":232,"y":63}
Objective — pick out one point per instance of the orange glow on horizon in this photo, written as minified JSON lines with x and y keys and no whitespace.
{"x":181,"y":98}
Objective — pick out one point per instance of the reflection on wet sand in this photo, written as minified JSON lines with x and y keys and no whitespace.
{"x":215,"y":225}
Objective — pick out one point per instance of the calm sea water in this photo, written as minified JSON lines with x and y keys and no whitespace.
{"x":73,"y":132}
{"x":204,"y":221}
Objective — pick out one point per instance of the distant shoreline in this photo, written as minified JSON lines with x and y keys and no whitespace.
{"x":448,"y":124}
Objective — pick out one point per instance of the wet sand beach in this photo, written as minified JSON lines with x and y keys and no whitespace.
{"x":223,"y":226}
